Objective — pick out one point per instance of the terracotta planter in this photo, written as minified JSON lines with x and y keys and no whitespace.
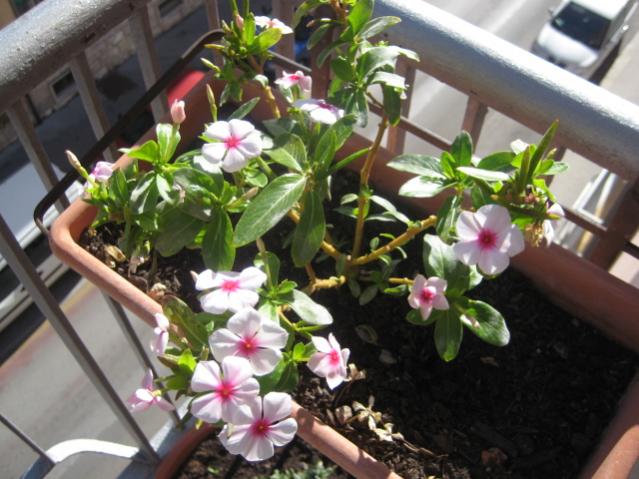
{"x":568,"y":281}
{"x":181,"y":451}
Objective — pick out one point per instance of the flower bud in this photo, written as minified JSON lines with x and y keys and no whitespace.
{"x":177,"y":112}
{"x":239,"y":21}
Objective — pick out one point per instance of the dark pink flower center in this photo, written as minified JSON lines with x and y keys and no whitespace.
{"x":325,"y":106}
{"x":427,"y":295}
{"x":230,"y":285}
{"x":232,"y":142}
{"x":294,"y":77}
{"x":260,"y":427}
{"x":487,"y":239}
{"x":225,"y":390}
{"x":334,"y":357}
{"x":248,"y":346}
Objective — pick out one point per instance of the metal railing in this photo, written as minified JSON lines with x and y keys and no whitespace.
{"x":491,"y":72}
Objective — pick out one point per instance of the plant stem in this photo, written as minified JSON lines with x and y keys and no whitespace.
{"x":270,"y":99}
{"x":364,"y":176}
{"x":402,"y":239}
{"x":326,"y":246}
{"x":290,"y":326}
{"x":327,"y":283}
{"x":406,"y":281}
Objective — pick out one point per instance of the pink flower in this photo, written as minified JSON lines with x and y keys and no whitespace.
{"x":427,"y":294}
{"x":556,"y":213}
{"x":329,"y":361}
{"x":289,"y":80}
{"x":249,"y":335}
{"x":267,"y":22}
{"x":487,"y":238}
{"x":238,"y":142}
{"x":147,"y":396}
{"x":320,"y":111}
{"x":177,"y":112}
{"x":102,"y":171}
{"x":233,"y":291}
{"x":158,"y":344}
{"x":224,"y":392}
{"x":256,"y":429}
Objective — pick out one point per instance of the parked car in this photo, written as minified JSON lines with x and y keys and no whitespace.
{"x":581,"y":34}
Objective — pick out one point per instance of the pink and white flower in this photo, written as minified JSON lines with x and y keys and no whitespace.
{"x":226,"y":390}
{"x":254,"y":430}
{"x":147,"y":396}
{"x":487,"y":238}
{"x":267,"y":22}
{"x":428,"y":294}
{"x":320,"y":111}
{"x":177,"y":112}
{"x":556,"y":213}
{"x":232,"y":291}
{"x":158,"y":344}
{"x":237,"y":142}
{"x":329,"y":361}
{"x":102,"y":171}
{"x":298,"y":78}
{"x":250,"y":335}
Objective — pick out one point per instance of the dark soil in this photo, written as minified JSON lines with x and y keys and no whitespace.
{"x":532,"y":409}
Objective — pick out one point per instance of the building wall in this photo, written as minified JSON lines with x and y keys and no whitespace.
{"x":6,"y":13}
{"x":103,"y":55}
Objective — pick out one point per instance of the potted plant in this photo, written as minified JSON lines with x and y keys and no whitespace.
{"x":239,"y":357}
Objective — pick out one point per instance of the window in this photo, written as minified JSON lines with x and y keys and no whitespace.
{"x":63,"y":87}
{"x":167,"y":6}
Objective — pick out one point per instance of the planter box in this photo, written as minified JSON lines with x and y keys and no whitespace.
{"x":578,"y":286}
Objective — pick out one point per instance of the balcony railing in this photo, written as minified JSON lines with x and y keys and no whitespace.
{"x":491,"y":72}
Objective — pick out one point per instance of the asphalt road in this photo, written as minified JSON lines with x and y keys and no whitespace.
{"x":45,"y":393}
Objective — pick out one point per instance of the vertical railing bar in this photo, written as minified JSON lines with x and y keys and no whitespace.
{"x":397,"y":135}
{"x":148,"y":57}
{"x":134,"y":341}
{"x":474,"y":116}
{"x":26,"y":439}
{"x":33,"y":147}
{"x":91,"y":100}
{"x":212,"y":14}
{"x":25,"y":271}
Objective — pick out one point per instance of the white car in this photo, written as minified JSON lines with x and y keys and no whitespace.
{"x":582,"y":33}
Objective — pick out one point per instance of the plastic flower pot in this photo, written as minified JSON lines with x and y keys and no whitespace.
{"x":576,"y":285}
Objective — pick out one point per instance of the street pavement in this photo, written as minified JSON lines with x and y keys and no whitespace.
{"x":41,"y":387}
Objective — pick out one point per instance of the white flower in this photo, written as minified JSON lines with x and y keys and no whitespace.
{"x":224,"y":392}
{"x":177,"y":112}
{"x":329,"y":361}
{"x":487,"y":238}
{"x":158,"y":344}
{"x":427,"y":294}
{"x":256,"y":429}
{"x":289,"y":80}
{"x":232,"y":291}
{"x":249,"y":335}
{"x":320,"y":111}
{"x":238,"y":142}
{"x":267,"y":22}
{"x":550,"y":224}
{"x":147,"y":396}
{"x":102,"y":171}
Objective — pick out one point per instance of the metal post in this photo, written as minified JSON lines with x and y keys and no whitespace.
{"x":474,"y":118}
{"x":212,"y":14}
{"x":27,"y":440}
{"x":35,"y":151}
{"x":148,"y":57}
{"x":397,"y":135}
{"x":28,"y":276}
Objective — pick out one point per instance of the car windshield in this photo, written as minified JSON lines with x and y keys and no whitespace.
{"x":582,"y":25}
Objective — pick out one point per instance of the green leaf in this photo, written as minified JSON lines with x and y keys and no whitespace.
{"x":218,"y":251}
{"x":319,"y":33}
{"x":447,"y":217}
{"x":304,"y":9}
{"x":343,"y":69}
{"x":269,"y":382}
{"x":118,"y":188}
{"x":449,"y":164}
{"x":424,"y":187}
{"x":309,"y":311}
{"x":268,"y":207}
{"x":392,"y":104}
{"x":270,"y":263}
{"x":244,"y":109}
{"x":289,"y":379}
{"x":177,"y":230}
{"x":360,"y":14}
{"x":448,"y":335}
{"x":187,"y":362}
{"x":462,"y":149}
{"x":144,"y":196}
{"x":303,"y":352}
{"x":377,"y":26}
{"x":415,"y":317}
{"x":164,"y":188}
{"x":486,"y":175}
{"x":148,"y":152}
{"x":485,"y":322}
{"x":295,"y":147}
{"x":309,"y":233}
{"x":168,"y":140}
{"x":381,"y":57}
{"x":266,"y":40}
{"x":551,"y":167}
{"x":390,"y":208}
{"x":541,"y":148}
{"x":440,"y":260}
{"x":391,"y":80}
{"x":368,"y":294}
{"x":500,"y":161}
{"x":283,"y":157}
{"x":421,"y":165}
{"x":178,"y":313}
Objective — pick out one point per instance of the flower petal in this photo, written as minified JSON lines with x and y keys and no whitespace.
{"x":277,"y":405}
{"x":264,"y":360}
{"x":467,"y":226}
{"x":497,"y":218}
{"x":206,"y":376}
{"x":207,"y":407}
{"x":214,"y":152}
{"x":467,"y":252}
{"x":258,"y":448}
{"x":220,"y":130}
{"x":439,"y":284}
{"x":242,"y":299}
{"x":206,"y":280}
{"x":440,"y":302}
{"x":492,"y":261}
{"x":513,"y":243}
{"x":252,"y":278}
{"x":334,"y":380}
{"x":425,"y":310}
{"x":283,"y":432}
{"x":223,"y":343}
{"x":236,"y":369}
{"x":321,"y":344}
{"x":162,"y":321}
{"x":234,"y":161}
{"x":246,"y":322}
{"x":207,"y":165}
{"x":272,"y":335}
{"x":215,"y":302}
{"x":147,"y":380}
{"x":164,"y":404}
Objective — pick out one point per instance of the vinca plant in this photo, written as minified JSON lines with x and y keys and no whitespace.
{"x":239,"y":357}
